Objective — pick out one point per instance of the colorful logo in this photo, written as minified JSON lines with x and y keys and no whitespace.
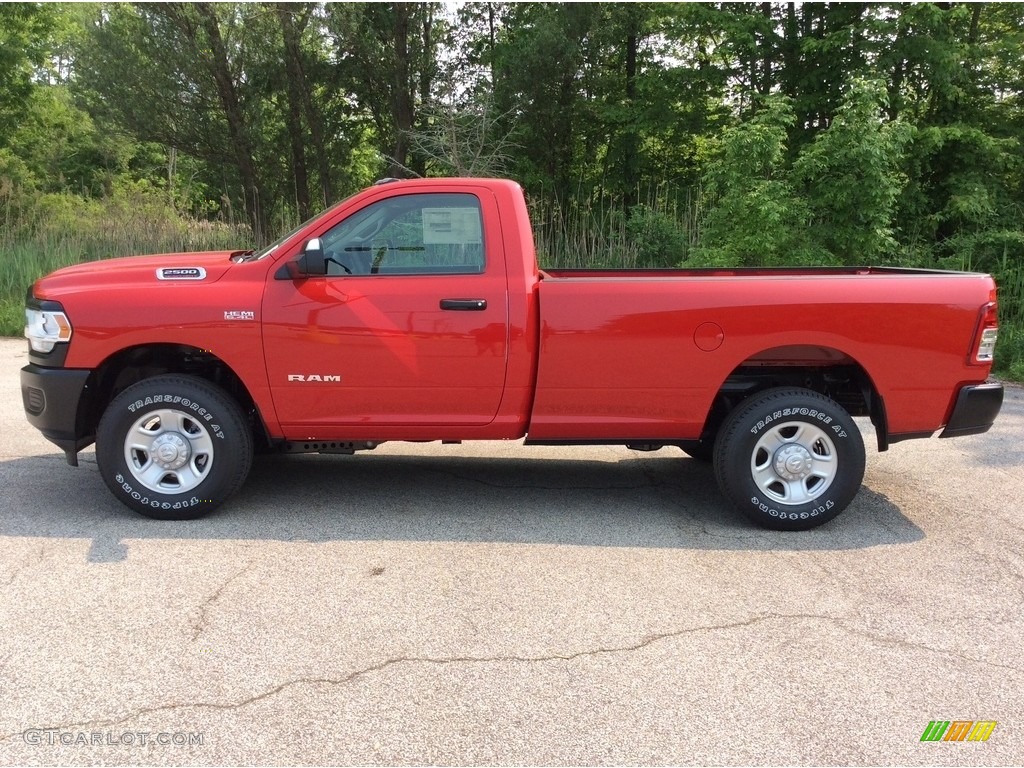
{"x":959,"y":730}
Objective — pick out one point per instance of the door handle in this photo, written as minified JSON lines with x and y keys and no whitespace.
{"x":464,"y":305}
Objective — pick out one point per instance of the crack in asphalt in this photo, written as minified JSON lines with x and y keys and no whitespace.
{"x":902,"y":643}
{"x":199,"y":626}
{"x":1001,"y":563}
{"x":701,"y":524}
{"x":438,"y":661}
{"x":22,"y":568}
{"x":445,"y":661}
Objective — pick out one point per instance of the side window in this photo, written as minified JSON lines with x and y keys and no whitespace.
{"x":409,"y":235}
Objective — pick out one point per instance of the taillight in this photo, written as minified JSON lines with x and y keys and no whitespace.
{"x":988,"y":331}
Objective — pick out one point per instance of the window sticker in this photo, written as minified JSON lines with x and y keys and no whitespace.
{"x":451,"y":226}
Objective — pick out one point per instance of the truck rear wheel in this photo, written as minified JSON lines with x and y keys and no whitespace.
{"x":173,"y":447}
{"x":789,"y":459}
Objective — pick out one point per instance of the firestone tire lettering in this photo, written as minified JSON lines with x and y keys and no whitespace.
{"x":200,"y":402}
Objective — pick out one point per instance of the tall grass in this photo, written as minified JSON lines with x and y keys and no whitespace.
{"x":595,"y":234}
{"x":1010,"y":346}
{"x":56,"y":231}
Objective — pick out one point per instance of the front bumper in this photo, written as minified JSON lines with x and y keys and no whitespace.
{"x":975,"y":411}
{"x":53,"y":398}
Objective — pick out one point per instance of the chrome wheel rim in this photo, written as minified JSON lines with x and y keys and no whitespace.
{"x":794,"y":463}
{"x":168,"y":451}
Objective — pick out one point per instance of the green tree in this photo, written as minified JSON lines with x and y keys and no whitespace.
{"x":851,"y":176}
{"x":386,"y":54}
{"x":755,"y":215}
{"x":172,"y":74}
{"x":24,"y":47}
{"x":541,"y":58}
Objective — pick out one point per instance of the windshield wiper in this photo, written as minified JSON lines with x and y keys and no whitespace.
{"x":240,"y":256}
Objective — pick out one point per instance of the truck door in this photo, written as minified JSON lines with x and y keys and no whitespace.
{"x":408,"y":327}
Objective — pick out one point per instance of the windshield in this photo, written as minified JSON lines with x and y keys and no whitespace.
{"x":266,"y":251}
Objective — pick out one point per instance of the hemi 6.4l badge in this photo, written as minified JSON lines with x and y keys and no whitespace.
{"x":181,"y":273}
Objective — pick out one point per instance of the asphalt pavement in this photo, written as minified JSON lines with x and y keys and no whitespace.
{"x":494,"y":604}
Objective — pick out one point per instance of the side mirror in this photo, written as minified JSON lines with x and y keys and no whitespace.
{"x":312,"y":263}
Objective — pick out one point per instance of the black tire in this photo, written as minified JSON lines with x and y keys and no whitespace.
{"x":173,"y":447}
{"x":789,"y":459}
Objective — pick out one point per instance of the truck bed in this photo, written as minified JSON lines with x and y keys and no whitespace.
{"x":653,"y":348}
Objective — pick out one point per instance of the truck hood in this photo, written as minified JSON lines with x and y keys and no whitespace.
{"x":163,"y":269}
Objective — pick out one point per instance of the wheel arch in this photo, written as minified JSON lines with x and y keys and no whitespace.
{"x":133,"y":364}
{"x":820,"y":368}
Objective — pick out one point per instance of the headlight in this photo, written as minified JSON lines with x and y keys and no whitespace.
{"x":44,"y":328}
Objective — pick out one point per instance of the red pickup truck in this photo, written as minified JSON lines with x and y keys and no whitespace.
{"x":415,"y":310}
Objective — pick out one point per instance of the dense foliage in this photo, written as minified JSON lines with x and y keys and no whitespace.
{"x":656,"y":134}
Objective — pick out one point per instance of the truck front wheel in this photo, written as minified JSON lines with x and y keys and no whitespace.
{"x":789,"y":459}
{"x":173,"y":447}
